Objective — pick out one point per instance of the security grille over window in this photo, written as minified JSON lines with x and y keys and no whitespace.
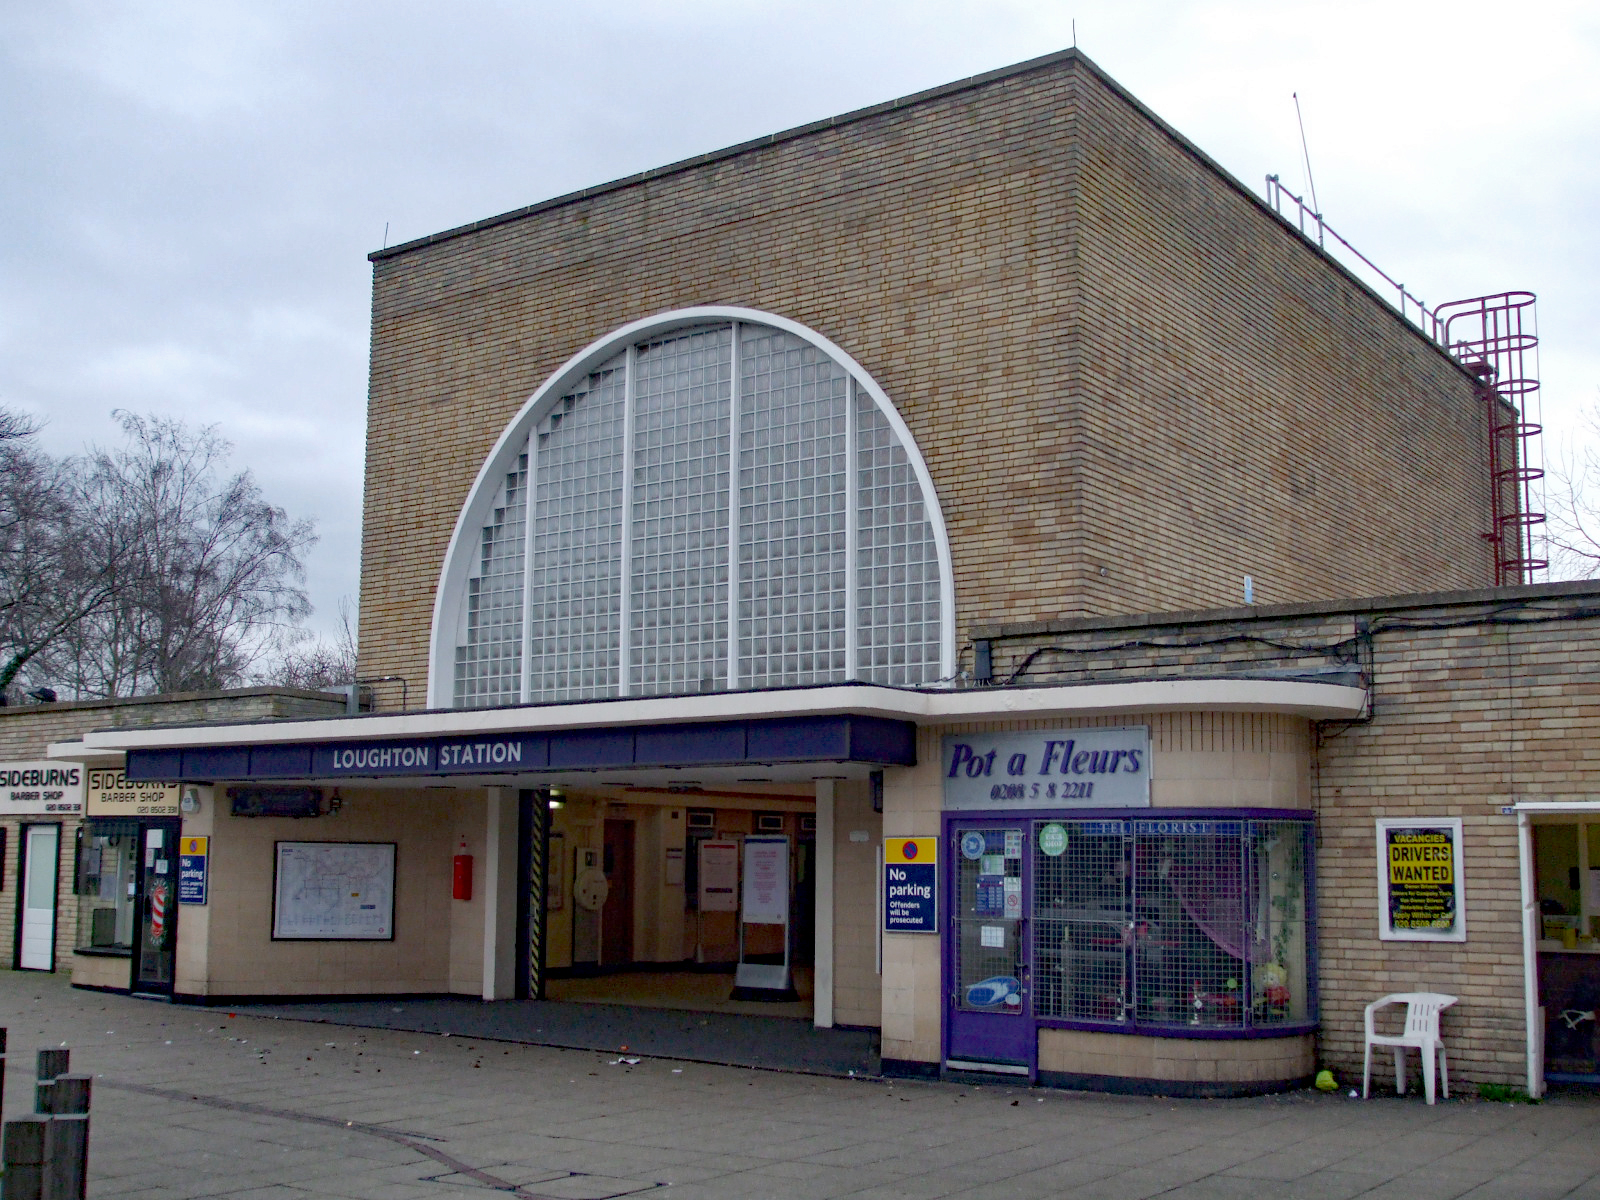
{"x":1193,"y":924}
{"x":717,"y":505}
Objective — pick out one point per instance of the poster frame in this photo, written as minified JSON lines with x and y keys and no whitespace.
{"x":1387,"y":932}
{"x":277,"y":859}
{"x":734,"y":895}
{"x":924,"y":872}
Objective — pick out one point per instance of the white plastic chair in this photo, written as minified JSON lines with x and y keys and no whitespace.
{"x":1421,"y":1031}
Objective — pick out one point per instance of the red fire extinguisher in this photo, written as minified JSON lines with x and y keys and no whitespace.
{"x":461,"y":885}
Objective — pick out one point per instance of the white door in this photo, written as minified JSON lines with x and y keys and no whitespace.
{"x":39,"y":863}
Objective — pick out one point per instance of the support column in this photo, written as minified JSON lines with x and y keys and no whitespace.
{"x":822,"y":977}
{"x":500,"y":895}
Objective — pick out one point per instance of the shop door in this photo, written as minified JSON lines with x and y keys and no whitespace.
{"x":41,"y":851}
{"x":616,"y":917}
{"x":990,"y":1025}
{"x":158,"y":911}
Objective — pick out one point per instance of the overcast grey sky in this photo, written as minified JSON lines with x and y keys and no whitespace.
{"x":188,"y":190}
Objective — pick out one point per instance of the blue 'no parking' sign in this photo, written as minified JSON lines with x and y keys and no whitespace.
{"x":911,"y":885}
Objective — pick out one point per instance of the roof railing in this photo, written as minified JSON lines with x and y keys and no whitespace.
{"x":1425,"y":318}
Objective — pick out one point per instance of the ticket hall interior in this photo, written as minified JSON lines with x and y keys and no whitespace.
{"x":643,"y":904}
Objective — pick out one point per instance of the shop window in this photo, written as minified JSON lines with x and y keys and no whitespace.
{"x":1192,"y":924}
{"x":1567,"y":877}
{"x":105,"y":886}
{"x":719,"y":506}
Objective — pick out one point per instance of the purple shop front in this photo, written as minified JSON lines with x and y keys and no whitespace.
{"x":1076,"y":906}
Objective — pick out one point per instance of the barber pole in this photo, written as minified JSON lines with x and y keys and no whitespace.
{"x":158,"y":912}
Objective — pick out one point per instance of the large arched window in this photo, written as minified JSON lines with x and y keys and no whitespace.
{"x":709,"y":500}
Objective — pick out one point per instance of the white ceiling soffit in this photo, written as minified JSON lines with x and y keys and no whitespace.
{"x":79,"y":753}
{"x":1317,"y":701}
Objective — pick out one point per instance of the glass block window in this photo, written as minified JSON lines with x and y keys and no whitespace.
{"x":1173,"y":923}
{"x":574,"y":592}
{"x":898,"y":560}
{"x":679,"y":561}
{"x":792,"y":497}
{"x":489,"y":660}
{"x":718,"y":506}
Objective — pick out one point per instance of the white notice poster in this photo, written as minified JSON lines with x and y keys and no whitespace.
{"x":766,"y":880}
{"x":719,"y":876}
{"x":334,"y":891}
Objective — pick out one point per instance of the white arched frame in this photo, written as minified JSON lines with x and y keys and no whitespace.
{"x":461,"y":556}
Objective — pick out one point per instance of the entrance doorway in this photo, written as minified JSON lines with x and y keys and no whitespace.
{"x":1566,"y":884}
{"x":990,"y":1026}
{"x":157,"y":910}
{"x":41,"y":863}
{"x":616,"y":917}
{"x":644,"y":899}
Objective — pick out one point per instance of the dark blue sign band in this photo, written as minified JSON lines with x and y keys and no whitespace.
{"x":876,"y":741}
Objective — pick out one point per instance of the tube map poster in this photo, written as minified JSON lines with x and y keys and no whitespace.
{"x":334,"y":891}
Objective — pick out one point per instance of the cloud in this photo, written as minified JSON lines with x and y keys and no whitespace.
{"x":191,"y":188}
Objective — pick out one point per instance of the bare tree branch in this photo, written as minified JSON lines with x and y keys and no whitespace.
{"x":1573,"y":498}
{"x":195,"y":576}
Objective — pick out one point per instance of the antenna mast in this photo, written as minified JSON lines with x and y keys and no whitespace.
{"x":1305,"y":153}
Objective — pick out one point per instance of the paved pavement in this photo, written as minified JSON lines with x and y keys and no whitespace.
{"x":194,"y":1103}
{"x":708,"y":1037}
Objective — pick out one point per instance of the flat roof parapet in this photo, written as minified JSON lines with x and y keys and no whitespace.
{"x":1278,"y":613}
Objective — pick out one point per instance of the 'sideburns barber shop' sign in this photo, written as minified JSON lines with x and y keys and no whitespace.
{"x":1058,"y":768}
{"x":41,"y":789}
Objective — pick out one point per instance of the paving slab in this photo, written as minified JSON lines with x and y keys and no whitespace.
{"x":192,"y":1104}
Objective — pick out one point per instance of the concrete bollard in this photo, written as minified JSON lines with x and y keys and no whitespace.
{"x":51,"y":1064}
{"x":23,"y":1154}
{"x":67,"y":1141}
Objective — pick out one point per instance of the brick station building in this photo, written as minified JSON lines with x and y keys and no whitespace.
{"x":765,"y":538}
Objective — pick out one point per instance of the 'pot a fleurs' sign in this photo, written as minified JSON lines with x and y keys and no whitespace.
{"x":1059,"y":768}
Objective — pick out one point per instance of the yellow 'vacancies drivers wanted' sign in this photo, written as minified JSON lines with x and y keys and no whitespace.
{"x":1421,"y":867}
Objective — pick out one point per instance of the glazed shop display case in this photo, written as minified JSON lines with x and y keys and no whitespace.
{"x":106,"y":886}
{"x":1173,"y":925}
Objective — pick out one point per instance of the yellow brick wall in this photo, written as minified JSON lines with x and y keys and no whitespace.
{"x":1132,"y":384}
{"x":1479,"y":700}
{"x":11,"y":884}
{"x":1467,"y":721}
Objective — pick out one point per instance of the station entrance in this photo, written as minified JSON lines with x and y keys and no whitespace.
{"x":693,"y":898}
